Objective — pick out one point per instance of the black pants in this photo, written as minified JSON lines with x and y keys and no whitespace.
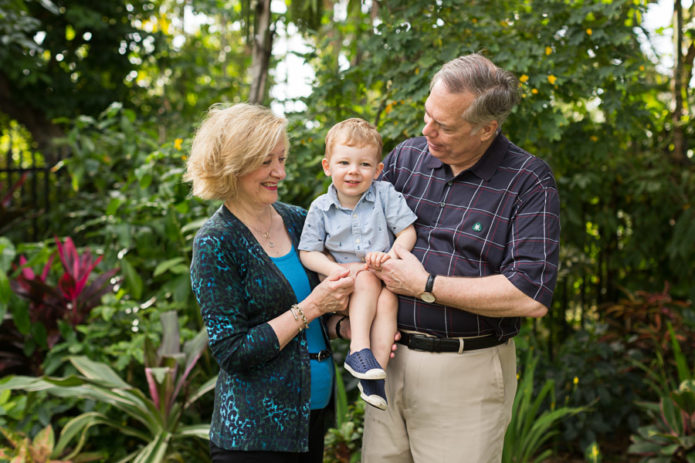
{"x":317,"y":429}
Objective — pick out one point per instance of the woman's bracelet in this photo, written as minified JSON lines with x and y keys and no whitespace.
{"x":337,"y":326}
{"x":301,"y":314}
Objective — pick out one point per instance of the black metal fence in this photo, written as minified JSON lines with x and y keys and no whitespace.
{"x":29,"y":188}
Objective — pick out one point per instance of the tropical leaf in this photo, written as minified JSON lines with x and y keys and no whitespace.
{"x":200,"y":430}
{"x":100,"y":373}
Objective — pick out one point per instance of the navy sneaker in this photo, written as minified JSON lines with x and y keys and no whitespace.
{"x":373,"y":392}
{"x":363,"y":365}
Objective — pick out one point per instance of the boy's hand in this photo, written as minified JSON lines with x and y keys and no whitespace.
{"x":355,"y":268}
{"x":375,"y":259}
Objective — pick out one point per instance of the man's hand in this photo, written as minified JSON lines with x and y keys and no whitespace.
{"x":403,"y":274}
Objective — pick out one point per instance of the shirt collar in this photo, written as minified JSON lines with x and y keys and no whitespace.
{"x":332,"y":197}
{"x":486,"y":165}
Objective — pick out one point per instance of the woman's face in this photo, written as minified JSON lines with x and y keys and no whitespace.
{"x":261,"y":185}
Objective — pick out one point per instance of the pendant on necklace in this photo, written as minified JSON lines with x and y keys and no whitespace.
{"x":267,"y":238}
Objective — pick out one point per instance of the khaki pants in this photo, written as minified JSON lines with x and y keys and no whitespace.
{"x":443,"y":407}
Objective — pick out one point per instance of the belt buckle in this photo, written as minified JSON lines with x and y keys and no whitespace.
{"x":322,"y":355}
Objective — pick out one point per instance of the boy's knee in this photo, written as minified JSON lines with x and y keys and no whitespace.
{"x":367,"y":280}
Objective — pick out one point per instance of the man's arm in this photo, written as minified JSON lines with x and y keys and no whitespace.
{"x":490,"y":296}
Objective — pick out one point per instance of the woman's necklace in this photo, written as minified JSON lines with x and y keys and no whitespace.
{"x":266,"y":234}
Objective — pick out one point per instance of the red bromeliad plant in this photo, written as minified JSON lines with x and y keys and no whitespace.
{"x":70,"y":300}
{"x":73,"y":297}
{"x":80,"y":297}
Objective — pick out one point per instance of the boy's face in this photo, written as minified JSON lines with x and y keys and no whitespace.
{"x":352,"y":169}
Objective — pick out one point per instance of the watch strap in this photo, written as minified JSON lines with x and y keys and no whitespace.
{"x":430,"y":283}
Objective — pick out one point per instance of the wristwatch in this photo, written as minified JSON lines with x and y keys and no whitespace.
{"x":427,"y":296}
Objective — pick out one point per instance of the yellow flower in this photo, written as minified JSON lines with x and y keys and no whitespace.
{"x":641,"y":68}
{"x":575,"y":380}
{"x":589,"y":31}
{"x":593,"y":138}
{"x":594,"y":451}
{"x":552,"y":79}
{"x":184,"y":157}
{"x":523,"y":78}
{"x":548,"y":50}
{"x":534,"y":91}
{"x":177,"y":143}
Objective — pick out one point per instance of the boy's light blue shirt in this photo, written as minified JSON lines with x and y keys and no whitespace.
{"x":349,"y":234}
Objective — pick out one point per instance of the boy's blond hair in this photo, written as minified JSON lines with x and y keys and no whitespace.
{"x":232,"y":141}
{"x":353,"y":132}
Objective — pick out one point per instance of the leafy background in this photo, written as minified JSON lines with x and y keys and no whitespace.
{"x":103,"y":99}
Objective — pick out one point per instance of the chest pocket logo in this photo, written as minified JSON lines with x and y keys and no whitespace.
{"x":477,"y":227}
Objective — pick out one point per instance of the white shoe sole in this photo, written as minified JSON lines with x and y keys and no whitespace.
{"x":374,"y":373}
{"x":373,"y":400}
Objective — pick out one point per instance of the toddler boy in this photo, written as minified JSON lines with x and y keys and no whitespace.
{"x":358,"y":221}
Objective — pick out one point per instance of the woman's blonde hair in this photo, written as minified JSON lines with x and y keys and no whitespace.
{"x":232,"y":141}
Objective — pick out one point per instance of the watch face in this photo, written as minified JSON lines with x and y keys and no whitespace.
{"x":427,"y":297}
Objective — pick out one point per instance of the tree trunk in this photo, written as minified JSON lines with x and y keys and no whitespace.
{"x":262,"y":50}
{"x":678,"y":134}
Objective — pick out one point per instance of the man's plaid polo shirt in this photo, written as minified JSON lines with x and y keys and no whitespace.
{"x":502,"y":216}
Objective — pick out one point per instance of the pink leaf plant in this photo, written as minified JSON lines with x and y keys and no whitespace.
{"x":74,"y":296}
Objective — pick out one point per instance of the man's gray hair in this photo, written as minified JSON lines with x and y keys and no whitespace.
{"x":496,"y":90}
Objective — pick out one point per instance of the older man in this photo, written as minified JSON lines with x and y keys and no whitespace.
{"x":486,"y":255}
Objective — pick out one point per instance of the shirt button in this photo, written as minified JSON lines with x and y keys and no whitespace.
{"x":357,"y":240}
{"x":450,"y":182}
{"x":354,"y":216}
{"x":442,"y":204}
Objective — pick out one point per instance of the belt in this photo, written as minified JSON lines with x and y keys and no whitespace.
{"x":320,"y":356}
{"x":431,"y":344}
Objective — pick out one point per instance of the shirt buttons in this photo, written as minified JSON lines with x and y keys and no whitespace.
{"x":357,"y":240}
{"x":442,"y":204}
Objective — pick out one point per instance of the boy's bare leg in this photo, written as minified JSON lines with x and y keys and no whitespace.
{"x":362,"y":308}
{"x":384,"y":326}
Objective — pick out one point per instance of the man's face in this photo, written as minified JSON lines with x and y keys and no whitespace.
{"x":451,"y":139}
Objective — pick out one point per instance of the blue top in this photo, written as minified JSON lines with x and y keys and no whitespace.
{"x":321,"y":372}
{"x":349,"y":234}
{"x":262,"y":395}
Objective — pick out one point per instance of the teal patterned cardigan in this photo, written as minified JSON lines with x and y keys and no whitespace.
{"x":262,"y":393}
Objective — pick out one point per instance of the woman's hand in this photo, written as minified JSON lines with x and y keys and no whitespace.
{"x":332,"y":294}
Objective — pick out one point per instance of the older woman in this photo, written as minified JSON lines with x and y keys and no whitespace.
{"x":264,"y":321}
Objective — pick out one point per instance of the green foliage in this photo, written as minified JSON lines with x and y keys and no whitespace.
{"x":69,"y":298}
{"x":156,"y":422}
{"x":141,"y":211}
{"x":78,"y":62}
{"x":670,"y":436}
{"x":584,"y":370}
{"x":343,"y":443}
{"x":532,"y":427}
{"x":641,"y":319}
{"x":40,"y":449}
{"x":8,"y":212}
